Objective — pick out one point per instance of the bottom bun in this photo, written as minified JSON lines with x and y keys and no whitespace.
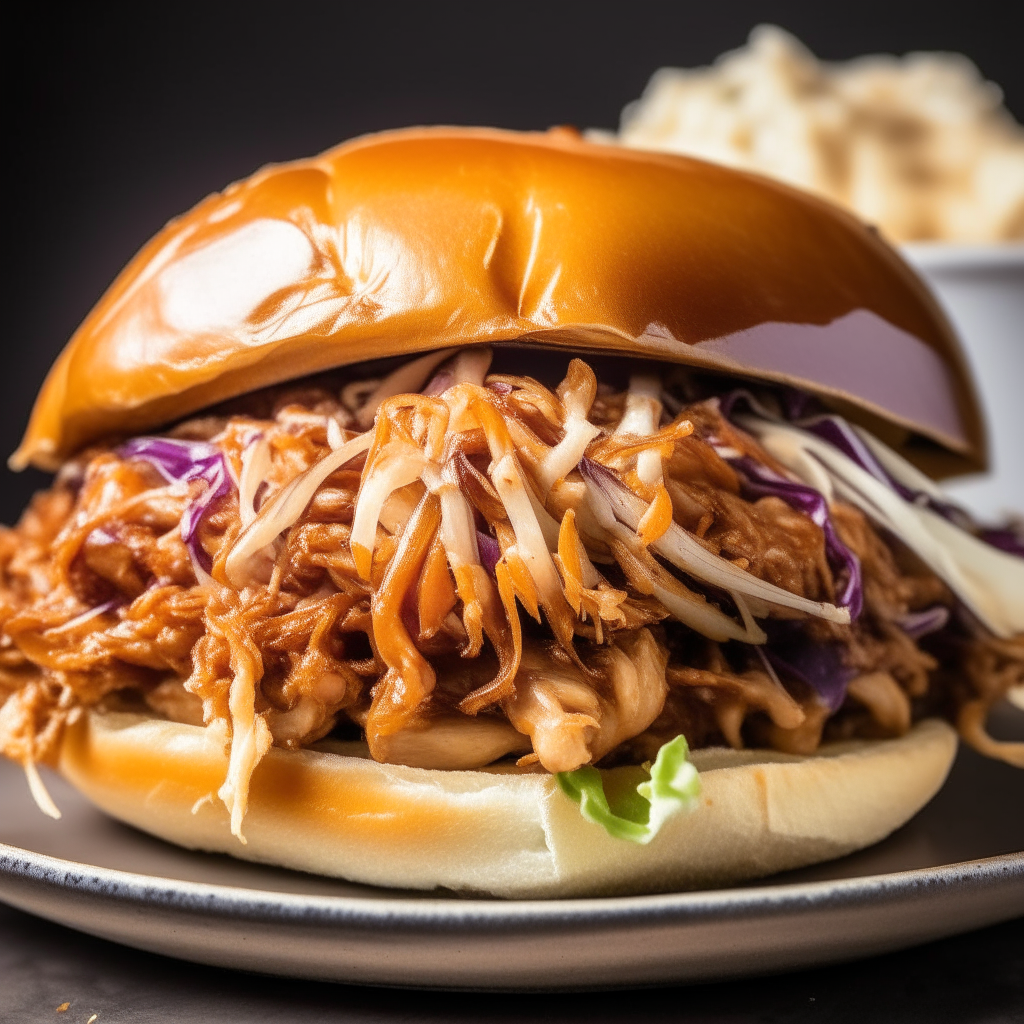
{"x":506,"y":832}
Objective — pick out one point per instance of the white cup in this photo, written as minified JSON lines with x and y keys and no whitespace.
{"x":981,"y":287}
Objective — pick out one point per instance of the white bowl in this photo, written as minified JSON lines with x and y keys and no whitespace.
{"x":981,"y":287}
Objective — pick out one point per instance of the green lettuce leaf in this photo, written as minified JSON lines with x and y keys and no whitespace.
{"x":640,"y":811}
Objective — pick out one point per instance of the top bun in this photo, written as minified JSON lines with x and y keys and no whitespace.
{"x":427,"y":238}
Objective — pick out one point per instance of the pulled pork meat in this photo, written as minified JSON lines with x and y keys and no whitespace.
{"x":368,"y":562}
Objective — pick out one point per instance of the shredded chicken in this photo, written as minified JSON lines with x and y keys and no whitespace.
{"x":575,"y":715}
{"x":370,"y":567}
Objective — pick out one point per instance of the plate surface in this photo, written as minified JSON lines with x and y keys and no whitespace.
{"x":958,"y":865}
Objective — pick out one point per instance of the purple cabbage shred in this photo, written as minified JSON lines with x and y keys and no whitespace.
{"x":1005,"y":538}
{"x":183,"y":462}
{"x":798,"y":404}
{"x":839,"y":433}
{"x":490,"y":552}
{"x":920,"y":624}
{"x":819,"y":666}
{"x":760,"y":482}
{"x":439,"y":383}
{"x":834,"y":430}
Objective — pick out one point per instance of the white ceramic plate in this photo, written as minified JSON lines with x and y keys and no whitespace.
{"x":958,"y":865}
{"x":982,"y":290}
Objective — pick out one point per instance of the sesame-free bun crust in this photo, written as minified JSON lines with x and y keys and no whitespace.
{"x":427,"y":238}
{"x":512,"y":833}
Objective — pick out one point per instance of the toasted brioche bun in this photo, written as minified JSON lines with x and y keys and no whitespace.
{"x":429,"y":238}
{"x":506,"y":833}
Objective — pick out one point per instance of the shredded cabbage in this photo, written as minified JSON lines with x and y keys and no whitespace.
{"x":641,"y":416}
{"x":256,"y":464}
{"x":920,"y":624}
{"x":760,"y":481}
{"x":490,"y":550}
{"x":182,"y":462}
{"x":686,"y":553}
{"x":691,"y":609}
{"x":398,"y":463}
{"x":405,"y":379}
{"x":988,"y":581}
{"x":78,"y":620}
{"x":862,"y":448}
{"x":639,"y":813}
{"x":39,"y":791}
{"x":820,"y":666}
{"x":284,"y":509}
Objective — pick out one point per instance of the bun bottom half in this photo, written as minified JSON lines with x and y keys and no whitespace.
{"x":501,"y":832}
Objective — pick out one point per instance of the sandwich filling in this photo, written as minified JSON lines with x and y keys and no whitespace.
{"x":464,"y":567}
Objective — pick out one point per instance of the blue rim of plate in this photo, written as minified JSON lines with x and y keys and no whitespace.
{"x":211,"y":899}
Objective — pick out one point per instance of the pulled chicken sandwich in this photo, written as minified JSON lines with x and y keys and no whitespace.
{"x":512,"y":514}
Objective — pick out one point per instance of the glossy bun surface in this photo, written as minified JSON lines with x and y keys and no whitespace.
{"x":425,"y":238}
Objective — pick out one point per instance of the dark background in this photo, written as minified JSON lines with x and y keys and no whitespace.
{"x":118,"y":118}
